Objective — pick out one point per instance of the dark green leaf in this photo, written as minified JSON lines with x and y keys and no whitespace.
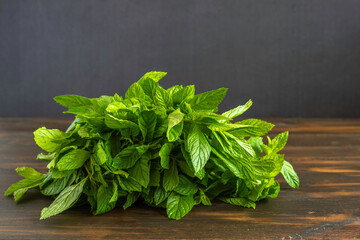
{"x":171,"y":177}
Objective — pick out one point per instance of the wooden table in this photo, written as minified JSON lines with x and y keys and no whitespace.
{"x":324,"y":152}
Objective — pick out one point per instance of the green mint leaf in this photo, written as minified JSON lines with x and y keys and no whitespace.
{"x":115,"y":195}
{"x":131,"y":199}
{"x":175,"y":125}
{"x":141,"y":171}
{"x":243,"y":202}
{"x":57,"y":185}
{"x":238,"y":110}
{"x":119,"y":124}
{"x":49,"y":139}
{"x":71,"y":101}
{"x":103,"y":197}
{"x":100,"y":154}
{"x":198,"y":147}
{"x":255,"y":128}
{"x":185,"y":186}
{"x":135,"y":91}
{"x":171,"y":177}
{"x":160,"y":195}
{"x":149,"y":86}
{"x":147,"y":124}
{"x":178,"y":206}
{"x":129,"y":184}
{"x":26,"y":183}
{"x":66,"y":199}
{"x":154,"y":75}
{"x":73,"y":160}
{"x":128,"y":156}
{"x":165,"y":154}
{"x":28,"y":172}
{"x":184,"y":94}
{"x":172,"y":90}
{"x":162,"y":98}
{"x":290,"y":175}
{"x":278,"y":143}
{"x":208,"y":100}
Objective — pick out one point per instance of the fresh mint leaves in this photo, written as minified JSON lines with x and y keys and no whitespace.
{"x":166,"y":147}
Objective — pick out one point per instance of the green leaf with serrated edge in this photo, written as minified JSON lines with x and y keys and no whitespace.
{"x":265,"y":168}
{"x":149,"y":86}
{"x":290,"y":175}
{"x":135,"y":91}
{"x":278,"y":143}
{"x":28,"y":172}
{"x":131,"y":199}
{"x":184,"y":94}
{"x":129,"y":184}
{"x":162,"y":98}
{"x":26,"y":183}
{"x":160,"y":195}
{"x":73,"y":160}
{"x":65,"y":200}
{"x":46,"y":157}
{"x":154,"y":174}
{"x":171,"y":177}
{"x":165,"y":154}
{"x":184,"y":167}
{"x":178,"y":206}
{"x":198,"y":147}
{"x":185,"y":186}
{"x":115,"y":195}
{"x":57,"y":185}
{"x":208,"y":100}
{"x":141,"y":170}
{"x":103,"y":197}
{"x":256,"y":143}
{"x":204,"y":199}
{"x":175,"y":125}
{"x":256,"y":128}
{"x":154,"y":75}
{"x":186,"y":155}
{"x":243,"y":202}
{"x":100,"y":154}
{"x":49,"y":139}
{"x":71,"y":101}
{"x":238,"y":110}
{"x":119,"y":124}
{"x":172,"y":90}
{"x":240,"y":170}
{"x":128,"y":157}
{"x":147,"y":124}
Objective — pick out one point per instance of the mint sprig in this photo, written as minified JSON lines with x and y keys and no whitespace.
{"x":166,"y":147}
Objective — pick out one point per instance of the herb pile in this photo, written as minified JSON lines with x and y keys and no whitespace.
{"x":168,"y":148}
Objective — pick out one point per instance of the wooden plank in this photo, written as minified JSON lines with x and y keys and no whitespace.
{"x":325,"y":153}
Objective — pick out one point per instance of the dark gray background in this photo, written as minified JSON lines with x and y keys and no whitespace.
{"x":293,"y":58}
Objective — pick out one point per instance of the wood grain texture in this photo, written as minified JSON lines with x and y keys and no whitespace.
{"x":324,"y":152}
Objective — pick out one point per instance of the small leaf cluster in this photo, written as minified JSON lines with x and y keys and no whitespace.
{"x":166,"y":147}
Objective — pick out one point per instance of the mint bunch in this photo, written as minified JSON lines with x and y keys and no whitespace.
{"x":166,"y":147}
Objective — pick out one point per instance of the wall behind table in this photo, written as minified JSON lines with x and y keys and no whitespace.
{"x":293,"y":58}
